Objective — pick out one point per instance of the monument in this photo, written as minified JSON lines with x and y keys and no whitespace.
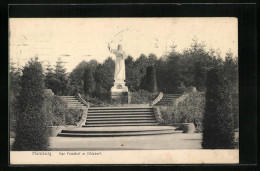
{"x":119,"y":90}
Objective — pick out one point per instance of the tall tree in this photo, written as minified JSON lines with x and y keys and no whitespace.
{"x":49,"y":77}
{"x":139,"y":70}
{"x":31,"y":132}
{"x":152,"y":58}
{"x":14,"y":80}
{"x":14,"y":91}
{"x":149,"y":81}
{"x":89,"y":82}
{"x":130,"y":73}
{"x":218,"y":128}
{"x":61,"y":78}
{"x":104,"y":76}
{"x":231,"y":70}
{"x":76,"y":78}
{"x":198,"y":62}
{"x":57,"y":78}
{"x":172,"y":80}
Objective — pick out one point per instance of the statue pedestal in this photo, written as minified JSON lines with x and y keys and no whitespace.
{"x":119,"y":92}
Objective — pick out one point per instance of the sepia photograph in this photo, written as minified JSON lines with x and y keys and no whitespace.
{"x":154,"y":90}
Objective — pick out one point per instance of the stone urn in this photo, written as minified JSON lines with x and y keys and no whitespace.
{"x":188,"y":128}
{"x":53,"y":131}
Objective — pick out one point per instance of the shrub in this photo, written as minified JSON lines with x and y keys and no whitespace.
{"x":190,"y":110}
{"x":97,"y":99}
{"x":55,"y":109}
{"x":167,"y":113}
{"x":142,"y":97}
{"x":218,"y":128}
{"x":73,"y":116}
{"x":31,"y":132}
{"x":58,"y":113}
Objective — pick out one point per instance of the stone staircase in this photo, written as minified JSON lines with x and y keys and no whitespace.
{"x":167,"y":99}
{"x":118,"y":131}
{"x":73,"y":102}
{"x":120,"y":116}
{"x":119,"y":121}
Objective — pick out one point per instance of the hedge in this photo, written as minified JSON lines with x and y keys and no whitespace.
{"x":190,"y":110}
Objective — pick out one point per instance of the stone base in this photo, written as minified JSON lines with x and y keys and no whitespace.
{"x":119,"y":92}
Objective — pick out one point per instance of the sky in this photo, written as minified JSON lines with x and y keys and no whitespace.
{"x":77,"y":39}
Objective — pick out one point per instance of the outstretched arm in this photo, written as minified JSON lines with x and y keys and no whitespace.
{"x":111,"y":50}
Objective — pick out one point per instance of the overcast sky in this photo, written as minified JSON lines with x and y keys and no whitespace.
{"x":77,"y":39}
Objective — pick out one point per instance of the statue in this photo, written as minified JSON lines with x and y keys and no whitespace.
{"x":119,"y":75}
{"x":119,"y":87}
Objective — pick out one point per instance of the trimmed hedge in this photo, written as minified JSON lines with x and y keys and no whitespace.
{"x":218,"y":126}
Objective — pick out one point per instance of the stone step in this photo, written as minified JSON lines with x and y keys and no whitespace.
{"x":121,"y":129}
{"x":119,"y":108}
{"x":76,"y":104}
{"x":118,"y":125}
{"x":166,"y":100}
{"x":118,"y":130}
{"x":120,"y":119}
{"x":70,"y":98}
{"x":73,"y":101}
{"x":66,"y":96}
{"x":169,"y":98}
{"x":120,"y":113}
{"x":118,"y":134}
{"x":172,"y":94}
{"x":120,"y":116}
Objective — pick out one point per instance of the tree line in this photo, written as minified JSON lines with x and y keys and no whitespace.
{"x":174,"y":71}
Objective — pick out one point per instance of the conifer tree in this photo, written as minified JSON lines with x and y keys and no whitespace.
{"x":31,"y":132}
{"x":89,"y":82}
{"x":149,"y":81}
{"x":218,"y":128}
{"x":60,"y":77}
